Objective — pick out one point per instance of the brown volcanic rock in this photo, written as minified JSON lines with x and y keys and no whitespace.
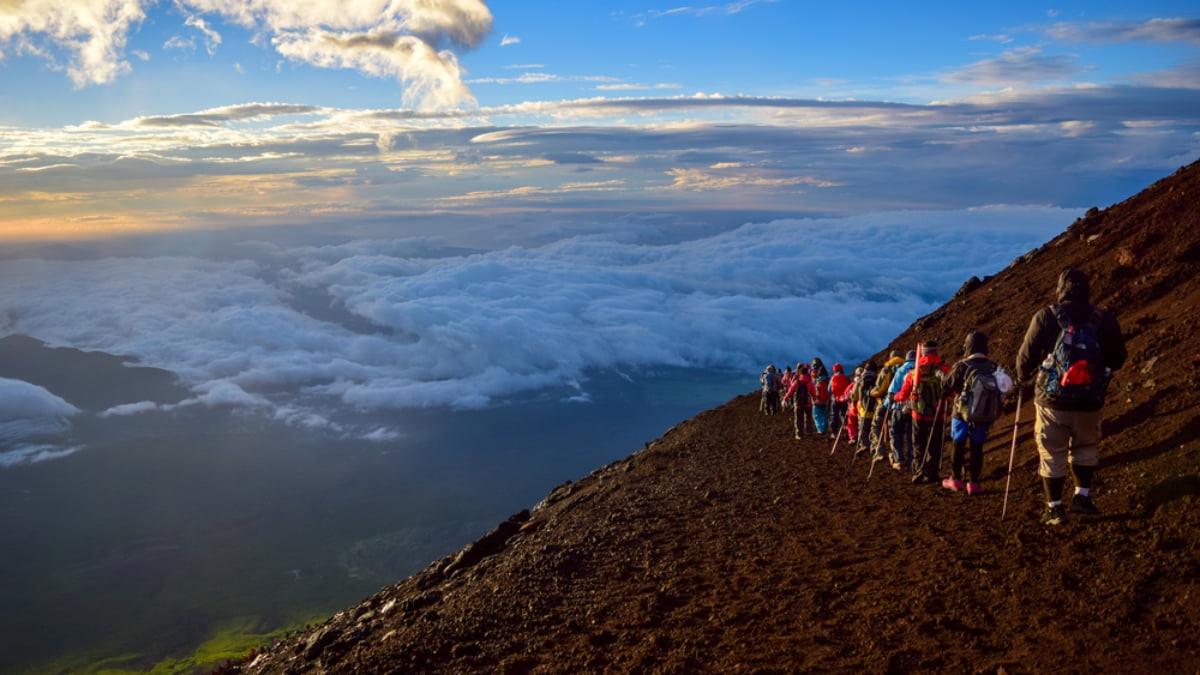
{"x":727,"y":546}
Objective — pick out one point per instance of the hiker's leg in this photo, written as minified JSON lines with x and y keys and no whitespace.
{"x":958,"y":456}
{"x":976,"y":438}
{"x":1053,"y":441}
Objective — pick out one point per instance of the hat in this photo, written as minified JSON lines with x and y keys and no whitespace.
{"x":929,"y":348}
{"x":837,"y":367}
{"x":911,"y":355}
{"x":895,"y":353}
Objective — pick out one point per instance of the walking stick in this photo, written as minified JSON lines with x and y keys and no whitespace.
{"x":1012,"y":451}
{"x":882,"y":434}
{"x":841,"y":427}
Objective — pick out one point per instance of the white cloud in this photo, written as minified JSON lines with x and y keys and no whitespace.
{"x":22,"y":400}
{"x":398,"y":323}
{"x":1027,"y":65}
{"x":402,"y":38}
{"x":92,"y":32}
{"x":509,"y":40}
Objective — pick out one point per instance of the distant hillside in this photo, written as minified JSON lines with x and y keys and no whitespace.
{"x":75,"y":375}
{"x":728,"y":546}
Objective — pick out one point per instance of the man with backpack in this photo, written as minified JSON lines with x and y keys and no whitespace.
{"x":978,"y":401}
{"x":1071,"y":348}
{"x":770,"y":390}
{"x":839,"y":393}
{"x":801,"y":392}
{"x":922,"y":390}
{"x":900,"y":419}
{"x":866,"y":404}
{"x":821,"y":402}
{"x":883,"y":413}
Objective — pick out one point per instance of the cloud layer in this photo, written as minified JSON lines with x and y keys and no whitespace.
{"x":302,"y":332}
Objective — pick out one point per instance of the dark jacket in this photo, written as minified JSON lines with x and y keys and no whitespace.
{"x":975,"y":358}
{"x":1073,"y":297}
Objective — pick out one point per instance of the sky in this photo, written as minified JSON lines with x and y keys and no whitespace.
{"x":129,"y":116}
{"x":310,"y":209}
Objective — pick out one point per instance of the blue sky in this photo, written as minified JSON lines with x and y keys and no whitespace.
{"x":127,"y":116}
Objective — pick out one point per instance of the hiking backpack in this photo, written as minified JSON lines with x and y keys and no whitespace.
{"x":981,"y":401}
{"x":1074,"y":370}
{"x":865,"y":400}
{"x":928,"y":394}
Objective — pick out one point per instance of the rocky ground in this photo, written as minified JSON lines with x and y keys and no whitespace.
{"x":729,"y":546}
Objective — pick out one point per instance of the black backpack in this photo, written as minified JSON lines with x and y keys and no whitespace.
{"x":980,"y":401}
{"x":865,"y":399}
{"x":1074,"y":370}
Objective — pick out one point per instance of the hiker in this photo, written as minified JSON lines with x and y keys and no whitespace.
{"x":801,"y":393}
{"x":852,"y":407}
{"x":978,"y":398}
{"x":1069,"y":390}
{"x":839,"y":395}
{"x":922,"y":389}
{"x":770,"y":391}
{"x":882,"y":410}
{"x":821,"y":401}
{"x":900,"y":419}
{"x":785,"y":381}
{"x":866,"y":405}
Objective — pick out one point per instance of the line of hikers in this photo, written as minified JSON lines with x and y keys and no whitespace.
{"x":900,"y":411}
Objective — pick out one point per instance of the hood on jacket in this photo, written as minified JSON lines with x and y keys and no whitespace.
{"x":894,"y":361}
{"x":1073,"y":286}
{"x":976,"y":343}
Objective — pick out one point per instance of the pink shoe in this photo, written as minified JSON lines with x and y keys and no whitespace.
{"x":974,"y":488}
{"x":951,"y":484}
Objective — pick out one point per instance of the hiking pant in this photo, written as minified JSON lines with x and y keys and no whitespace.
{"x":927,"y":440}
{"x":802,"y":420}
{"x":852,"y":423}
{"x":902,"y":442}
{"x":820,"y":413}
{"x":877,"y":431}
{"x":838,"y":416}
{"x":968,"y":448}
{"x":1066,"y":437}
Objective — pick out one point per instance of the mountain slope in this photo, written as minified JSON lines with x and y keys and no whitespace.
{"x":728,"y":546}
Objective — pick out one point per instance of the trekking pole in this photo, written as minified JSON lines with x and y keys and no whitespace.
{"x":929,"y":441}
{"x":841,"y":427}
{"x":874,"y":453}
{"x":1012,"y":452}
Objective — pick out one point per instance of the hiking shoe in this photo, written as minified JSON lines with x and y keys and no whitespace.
{"x":897,"y":466}
{"x":950,"y":484}
{"x":1054,"y":515}
{"x":797,"y":436}
{"x":974,"y":488}
{"x":1083,"y":504}
{"x":923,"y":479}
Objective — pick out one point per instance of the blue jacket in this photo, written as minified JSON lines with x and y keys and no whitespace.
{"x":897,"y":382}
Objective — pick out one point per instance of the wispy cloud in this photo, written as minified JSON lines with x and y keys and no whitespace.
{"x":1023,"y":66}
{"x":1181,"y":30}
{"x":509,"y":40}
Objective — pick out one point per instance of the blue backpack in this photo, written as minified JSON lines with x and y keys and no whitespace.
{"x":1074,"y":370}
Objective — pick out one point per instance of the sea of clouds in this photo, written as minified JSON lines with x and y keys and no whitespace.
{"x":299,"y":333}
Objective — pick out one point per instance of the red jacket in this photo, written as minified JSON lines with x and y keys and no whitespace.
{"x":801,"y":380}
{"x":839,"y":386}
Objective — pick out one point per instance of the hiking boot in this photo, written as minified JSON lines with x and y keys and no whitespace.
{"x":1083,"y":504}
{"x":974,"y":489}
{"x":951,"y":484}
{"x":897,"y":466}
{"x":797,"y":436}
{"x":1054,"y":515}
{"x":923,"y":479}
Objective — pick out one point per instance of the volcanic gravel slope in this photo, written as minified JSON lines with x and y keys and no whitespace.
{"x":728,"y":546}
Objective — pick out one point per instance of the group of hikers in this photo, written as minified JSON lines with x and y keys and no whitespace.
{"x":901,"y":410}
